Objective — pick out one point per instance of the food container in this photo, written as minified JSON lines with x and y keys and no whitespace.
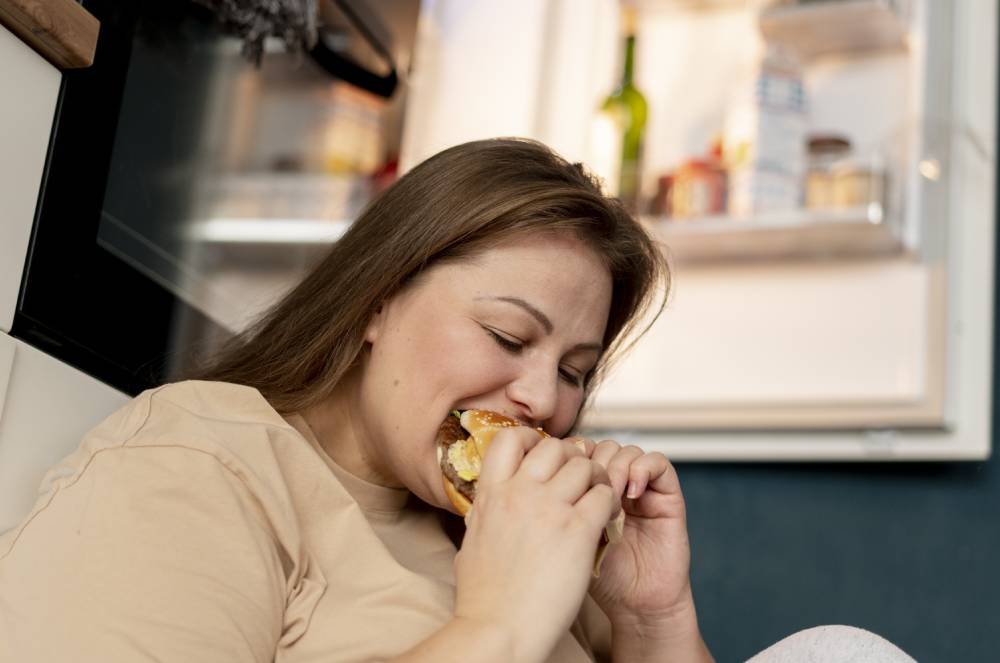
{"x":824,"y":153}
{"x":857,"y":182}
{"x":699,"y":189}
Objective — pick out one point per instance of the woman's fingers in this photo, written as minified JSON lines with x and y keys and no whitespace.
{"x":632,"y":470}
{"x":652,"y":470}
{"x":604,"y":451}
{"x":618,"y":467}
{"x":506,"y":453}
{"x":576,"y":477}
{"x":549,"y":455}
{"x":598,"y":505}
{"x":560,"y":464}
{"x":658,"y":490}
{"x":582,"y":443}
{"x":520,"y":450}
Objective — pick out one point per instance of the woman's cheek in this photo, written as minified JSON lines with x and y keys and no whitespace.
{"x":488,"y":367}
{"x":570,"y":400}
{"x":480,"y":366}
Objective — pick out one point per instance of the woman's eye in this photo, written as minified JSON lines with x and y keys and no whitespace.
{"x":571,"y":377}
{"x":514,"y":347}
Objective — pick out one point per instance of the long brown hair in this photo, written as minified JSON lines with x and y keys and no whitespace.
{"x":453,"y":206}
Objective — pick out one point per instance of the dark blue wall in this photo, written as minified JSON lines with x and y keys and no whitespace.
{"x":911,"y":552}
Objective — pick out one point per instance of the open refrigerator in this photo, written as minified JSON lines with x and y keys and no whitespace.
{"x":854,"y":323}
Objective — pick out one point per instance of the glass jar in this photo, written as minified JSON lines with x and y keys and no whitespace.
{"x":857,"y":182}
{"x":825,"y":151}
{"x":699,"y":189}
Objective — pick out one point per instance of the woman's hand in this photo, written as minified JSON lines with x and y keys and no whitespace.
{"x":528,"y":550}
{"x":645,"y":580}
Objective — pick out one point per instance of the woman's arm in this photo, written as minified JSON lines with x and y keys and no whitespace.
{"x":463,"y":640}
{"x":678,"y":640}
{"x":632,"y":643}
{"x":634,"y":646}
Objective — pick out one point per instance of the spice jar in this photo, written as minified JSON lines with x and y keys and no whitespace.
{"x":699,"y":189}
{"x":824,"y":153}
{"x":857,"y":182}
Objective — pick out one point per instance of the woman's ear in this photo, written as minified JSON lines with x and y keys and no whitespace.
{"x":375,"y":325}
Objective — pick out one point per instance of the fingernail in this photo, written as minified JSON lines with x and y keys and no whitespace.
{"x":633,"y":490}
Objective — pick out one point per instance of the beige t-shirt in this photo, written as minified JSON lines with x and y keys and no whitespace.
{"x":197,"y":524}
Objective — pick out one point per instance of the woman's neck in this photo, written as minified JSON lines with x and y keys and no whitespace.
{"x":340,"y":429}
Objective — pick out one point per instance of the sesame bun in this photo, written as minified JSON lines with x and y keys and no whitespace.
{"x":457,"y":499}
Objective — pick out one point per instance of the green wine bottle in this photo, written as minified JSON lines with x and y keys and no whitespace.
{"x":628,"y":107}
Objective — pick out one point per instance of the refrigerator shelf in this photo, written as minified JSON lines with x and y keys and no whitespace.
{"x":322,"y":232}
{"x":840,"y":27}
{"x":852,"y":232}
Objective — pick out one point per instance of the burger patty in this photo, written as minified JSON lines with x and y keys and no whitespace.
{"x":467,"y":488}
{"x":450,"y":432}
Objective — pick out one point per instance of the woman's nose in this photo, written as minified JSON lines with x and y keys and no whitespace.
{"x":534,"y":393}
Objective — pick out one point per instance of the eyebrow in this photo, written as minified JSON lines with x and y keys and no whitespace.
{"x":544,"y":321}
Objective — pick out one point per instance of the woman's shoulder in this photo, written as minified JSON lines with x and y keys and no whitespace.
{"x":192,"y":411}
{"x":214,"y":403}
{"x":199,"y":438}
{"x":174,"y":506}
{"x":232,"y":423}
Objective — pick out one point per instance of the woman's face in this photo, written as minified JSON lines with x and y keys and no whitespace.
{"x":515,"y":330}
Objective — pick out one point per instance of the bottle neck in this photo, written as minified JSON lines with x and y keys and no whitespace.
{"x":629,"y":60}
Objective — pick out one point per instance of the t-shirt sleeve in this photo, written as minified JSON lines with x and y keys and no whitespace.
{"x":148,"y":554}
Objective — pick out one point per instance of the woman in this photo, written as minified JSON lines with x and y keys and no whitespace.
{"x":288,"y":505}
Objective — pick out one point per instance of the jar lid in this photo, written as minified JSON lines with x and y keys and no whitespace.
{"x":828,"y":144}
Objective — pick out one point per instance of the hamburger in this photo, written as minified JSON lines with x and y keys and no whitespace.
{"x":462,"y":441}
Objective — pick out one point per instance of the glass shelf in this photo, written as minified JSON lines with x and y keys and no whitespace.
{"x":268,"y":231}
{"x":277,"y":208}
{"x":858,"y":231}
{"x":814,"y":29}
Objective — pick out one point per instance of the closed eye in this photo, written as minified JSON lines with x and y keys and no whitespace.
{"x":570,"y":377}
{"x":516,"y":347}
{"x":511,"y":346}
